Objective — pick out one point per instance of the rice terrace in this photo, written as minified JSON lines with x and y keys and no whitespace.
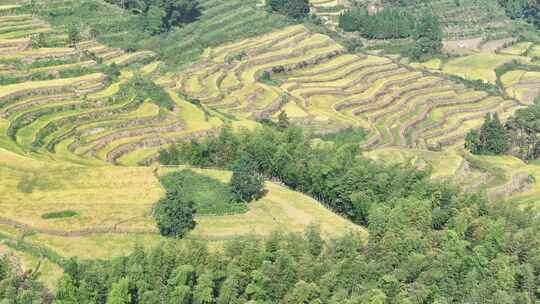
{"x":274,"y":151}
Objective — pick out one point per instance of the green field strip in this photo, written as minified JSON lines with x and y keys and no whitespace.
{"x":164,"y":127}
{"x":219,"y":53}
{"x":62,"y":67}
{"x":437,"y":120}
{"x":136,"y":157}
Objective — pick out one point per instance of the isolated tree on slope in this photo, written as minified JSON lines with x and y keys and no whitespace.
{"x":246,"y":183}
{"x":491,"y":139}
{"x":174,"y":215}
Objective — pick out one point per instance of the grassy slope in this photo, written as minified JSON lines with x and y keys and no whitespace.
{"x":221,"y":21}
{"x":112,"y":196}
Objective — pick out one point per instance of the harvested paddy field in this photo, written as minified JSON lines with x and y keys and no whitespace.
{"x":311,"y":76}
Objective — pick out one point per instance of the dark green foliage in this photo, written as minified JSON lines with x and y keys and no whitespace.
{"x":160,"y":16}
{"x":209,"y":195}
{"x":119,"y":293}
{"x":174,"y":214}
{"x":59,"y":214}
{"x":386,"y":24}
{"x":334,"y":174}
{"x":148,"y":90}
{"x":428,"y":35}
{"x":266,"y":78}
{"x":246,"y":183}
{"x":492,"y":139}
{"x":296,"y":9}
{"x":526,"y":9}
{"x":38,"y":41}
{"x":524,"y":128}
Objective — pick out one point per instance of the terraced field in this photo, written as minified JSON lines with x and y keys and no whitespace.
{"x":85,"y":116}
{"x":221,"y":21}
{"x":310,"y":76}
{"x":503,"y":177}
{"x":65,"y":119}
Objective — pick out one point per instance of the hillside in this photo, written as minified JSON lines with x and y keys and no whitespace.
{"x":361,"y":152}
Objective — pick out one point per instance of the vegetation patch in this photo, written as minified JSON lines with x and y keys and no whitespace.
{"x":59,"y":214}
{"x":210,"y":196}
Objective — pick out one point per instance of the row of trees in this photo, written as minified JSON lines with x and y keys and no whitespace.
{"x":520,"y":135}
{"x":162,"y":15}
{"x":335,"y":174}
{"x":387,"y":24}
{"x":392,"y":23}
{"x":417,"y":252}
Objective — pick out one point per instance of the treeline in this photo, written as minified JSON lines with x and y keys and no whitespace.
{"x":334,"y":174}
{"x":519,"y":136}
{"x":389,"y":23}
{"x":416,"y":253}
{"x":396,"y":22}
{"x":160,"y":16}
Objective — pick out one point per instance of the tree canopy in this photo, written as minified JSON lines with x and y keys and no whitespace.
{"x":296,"y":9}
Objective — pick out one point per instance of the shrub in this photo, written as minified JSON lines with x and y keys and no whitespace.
{"x":174,"y":215}
{"x":59,"y":214}
{"x":246,"y":183}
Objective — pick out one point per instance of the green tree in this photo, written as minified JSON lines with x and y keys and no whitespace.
{"x":74,"y":34}
{"x":492,"y":139}
{"x":155,"y":20}
{"x":66,"y":292}
{"x":38,"y":41}
{"x":247,"y":183}
{"x":296,"y":9}
{"x":315,"y":241}
{"x":428,"y":35}
{"x":180,"y":12}
{"x":119,"y":293}
{"x":174,"y":215}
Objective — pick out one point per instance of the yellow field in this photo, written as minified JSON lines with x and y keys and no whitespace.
{"x":110,"y":200}
{"x":480,"y":66}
